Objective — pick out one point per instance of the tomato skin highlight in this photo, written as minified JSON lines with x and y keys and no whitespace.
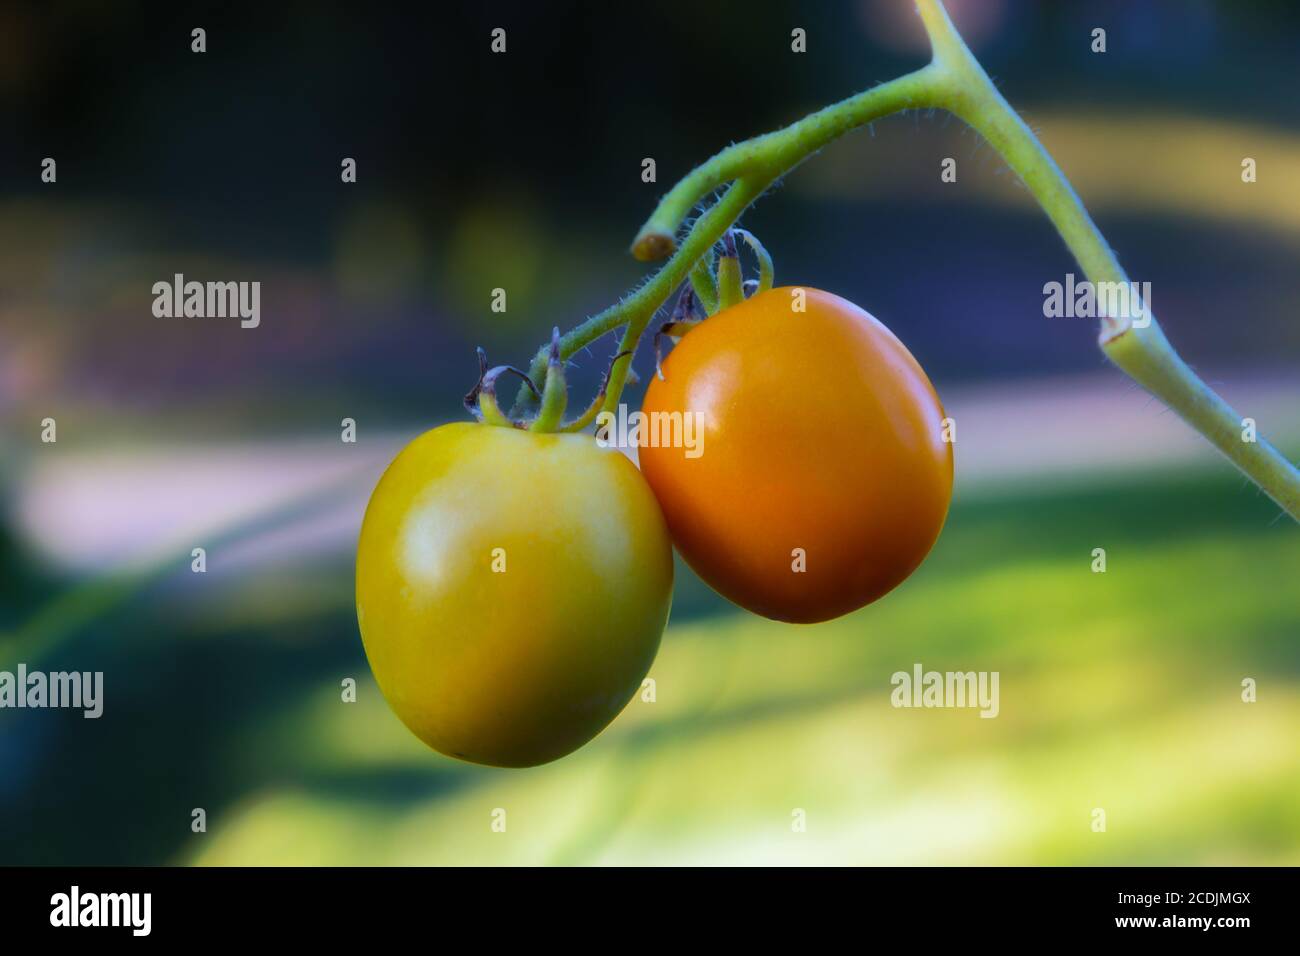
{"x":821,"y":433}
{"x":518,"y":667}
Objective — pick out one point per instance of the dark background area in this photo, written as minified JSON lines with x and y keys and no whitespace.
{"x":478,"y":170}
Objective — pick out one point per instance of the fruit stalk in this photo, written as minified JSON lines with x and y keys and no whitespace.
{"x":1140,"y":350}
{"x":953,"y":81}
{"x":747,"y":169}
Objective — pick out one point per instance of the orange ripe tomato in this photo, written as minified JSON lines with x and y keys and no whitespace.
{"x":823,"y":477}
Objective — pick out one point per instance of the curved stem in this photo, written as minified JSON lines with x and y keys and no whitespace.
{"x":636,"y":310}
{"x":705,"y":283}
{"x":708,"y":230}
{"x":1134,"y":341}
{"x":775,"y":154}
{"x":750,"y":167}
{"x":731,"y":284}
{"x":555,"y":393}
{"x":955,"y":81}
{"x":486,"y":395}
{"x":597,"y":403}
{"x":766,"y":269}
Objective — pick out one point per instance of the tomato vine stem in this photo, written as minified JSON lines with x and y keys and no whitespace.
{"x":704,"y":282}
{"x":555,"y":392}
{"x":766,"y":269}
{"x":731,"y":284}
{"x":953,"y":81}
{"x":1141,"y":350}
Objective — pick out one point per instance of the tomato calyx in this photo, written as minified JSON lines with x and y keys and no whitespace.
{"x":684,"y":318}
{"x":716,"y":282}
{"x":733,"y":287}
{"x":589,"y":414}
{"x":712,"y":288}
{"x":481,"y":400}
{"x":555,"y":393}
{"x":766,"y":269}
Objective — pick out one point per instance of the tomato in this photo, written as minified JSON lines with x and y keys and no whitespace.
{"x":512,"y":588}
{"x":823,"y":478}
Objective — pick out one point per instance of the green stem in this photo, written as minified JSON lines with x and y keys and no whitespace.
{"x":555,"y":393}
{"x":775,"y":154}
{"x":1139,"y":348}
{"x":750,"y":167}
{"x":955,"y":81}
{"x":705,"y":283}
{"x":766,"y":269}
{"x":708,"y":230}
{"x":731,"y":288}
{"x":636,"y":310}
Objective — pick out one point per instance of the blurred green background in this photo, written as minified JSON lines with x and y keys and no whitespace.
{"x":1119,"y":691}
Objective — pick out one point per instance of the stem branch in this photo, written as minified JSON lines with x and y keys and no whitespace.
{"x":1140,"y":349}
{"x":750,"y":168}
{"x":954,"y":81}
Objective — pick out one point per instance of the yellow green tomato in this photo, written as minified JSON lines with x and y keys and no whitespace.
{"x":512,"y":588}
